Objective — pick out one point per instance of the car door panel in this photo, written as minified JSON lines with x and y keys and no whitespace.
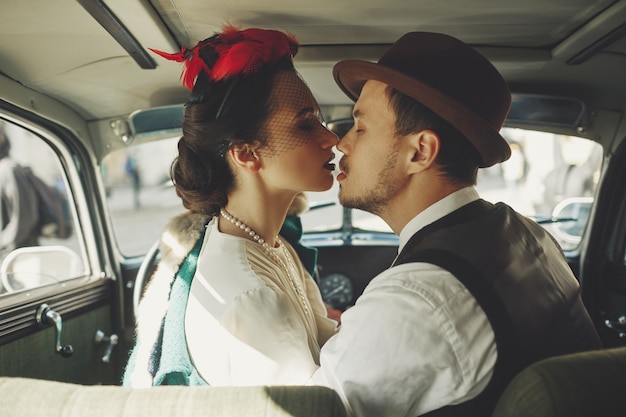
{"x":73,"y":275}
{"x":28,"y":347}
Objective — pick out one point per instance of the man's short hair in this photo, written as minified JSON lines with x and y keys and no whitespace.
{"x":458,"y":159}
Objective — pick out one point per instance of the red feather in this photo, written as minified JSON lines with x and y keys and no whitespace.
{"x":193,"y":64}
{"x":244,"y":52}
{"x":240,"y":52}
{"x":178,"y":56}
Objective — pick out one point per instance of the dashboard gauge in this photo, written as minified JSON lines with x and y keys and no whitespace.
{"x":337,"y":291}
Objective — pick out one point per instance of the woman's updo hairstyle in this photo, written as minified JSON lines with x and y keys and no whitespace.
{"x":230,"y":76}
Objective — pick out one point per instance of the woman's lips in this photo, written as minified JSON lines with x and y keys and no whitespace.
{"x":329,"y":165}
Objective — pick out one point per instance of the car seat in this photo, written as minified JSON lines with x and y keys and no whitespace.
{"x":585,"y":384}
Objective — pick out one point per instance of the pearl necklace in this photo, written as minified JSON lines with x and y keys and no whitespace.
{"x":268,"y":249}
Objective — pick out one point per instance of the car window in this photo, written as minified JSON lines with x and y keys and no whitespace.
{"x":551,"y":178}
{"x":39,"y":235}
{"x":140,"y":195}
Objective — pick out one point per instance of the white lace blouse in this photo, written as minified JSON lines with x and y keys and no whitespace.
{"x":245,"y":322}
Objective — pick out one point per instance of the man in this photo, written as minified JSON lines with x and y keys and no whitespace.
{"x":19,"y":214}
{"x":477,"y":291}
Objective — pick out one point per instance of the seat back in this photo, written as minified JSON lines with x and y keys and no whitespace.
{"x":23,"y":397}
{"x":586,"y":384}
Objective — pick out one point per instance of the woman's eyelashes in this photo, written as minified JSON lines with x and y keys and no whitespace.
{"x":311,"y":123}
{"x":307,"y":126}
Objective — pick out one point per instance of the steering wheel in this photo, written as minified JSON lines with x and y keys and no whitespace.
{"x":143,"y":275}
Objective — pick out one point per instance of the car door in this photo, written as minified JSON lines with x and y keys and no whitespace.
{"x":603,"y":258}
{"x":60,"y":310}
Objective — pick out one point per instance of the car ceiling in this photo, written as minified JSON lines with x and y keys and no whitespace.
{"x":56,"y":48}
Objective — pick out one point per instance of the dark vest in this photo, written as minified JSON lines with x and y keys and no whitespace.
{"x":520,"y":278}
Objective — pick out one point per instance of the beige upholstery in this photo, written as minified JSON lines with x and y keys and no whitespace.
{"x":588,"y":384}
{"x":23,"y":397}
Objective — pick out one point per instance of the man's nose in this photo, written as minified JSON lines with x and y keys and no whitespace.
{"x":344,"y":143}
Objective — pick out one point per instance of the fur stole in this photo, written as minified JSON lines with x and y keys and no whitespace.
{"x":178,"y":239}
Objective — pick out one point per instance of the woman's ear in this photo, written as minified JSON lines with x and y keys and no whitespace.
{"x":245,"y":157}
{"x":425,"y":148}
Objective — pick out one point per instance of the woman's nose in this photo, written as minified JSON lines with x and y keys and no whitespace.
{"x":329,"y":139}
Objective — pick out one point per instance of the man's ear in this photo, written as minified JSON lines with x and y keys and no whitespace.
{"x":424,"y":146}
{"x":245,"y":157}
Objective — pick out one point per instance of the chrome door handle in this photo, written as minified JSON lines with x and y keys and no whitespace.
{"x":47,"y":316}
{"x":111,"y":341}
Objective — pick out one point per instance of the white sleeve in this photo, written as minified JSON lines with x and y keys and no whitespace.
{"x":404,"y":348}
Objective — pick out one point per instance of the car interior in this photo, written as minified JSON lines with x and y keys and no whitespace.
{"x":91,"y":111}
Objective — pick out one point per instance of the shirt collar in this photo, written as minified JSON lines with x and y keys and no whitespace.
{"x":436,"y":211}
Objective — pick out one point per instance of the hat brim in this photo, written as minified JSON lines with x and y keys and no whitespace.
{"x":351,"y":75}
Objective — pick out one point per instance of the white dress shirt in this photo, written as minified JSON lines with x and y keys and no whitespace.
{"x":416,"y":339}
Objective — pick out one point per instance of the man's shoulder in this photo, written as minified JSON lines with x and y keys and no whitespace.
{"x":422,"y":279}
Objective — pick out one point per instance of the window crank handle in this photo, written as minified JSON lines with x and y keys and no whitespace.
{"x":47,"y":316}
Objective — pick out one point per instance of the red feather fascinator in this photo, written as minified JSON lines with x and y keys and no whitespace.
{"x":239,"y":52}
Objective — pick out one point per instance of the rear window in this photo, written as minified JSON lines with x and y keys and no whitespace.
{"x":550,"y":178}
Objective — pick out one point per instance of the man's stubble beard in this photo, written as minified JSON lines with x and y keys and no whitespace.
{"x":375,"y":199}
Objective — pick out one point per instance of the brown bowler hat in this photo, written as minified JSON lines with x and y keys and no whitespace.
{"x":447,"y":76}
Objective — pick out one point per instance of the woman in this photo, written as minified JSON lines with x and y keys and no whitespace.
{"x":242,"y":309}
